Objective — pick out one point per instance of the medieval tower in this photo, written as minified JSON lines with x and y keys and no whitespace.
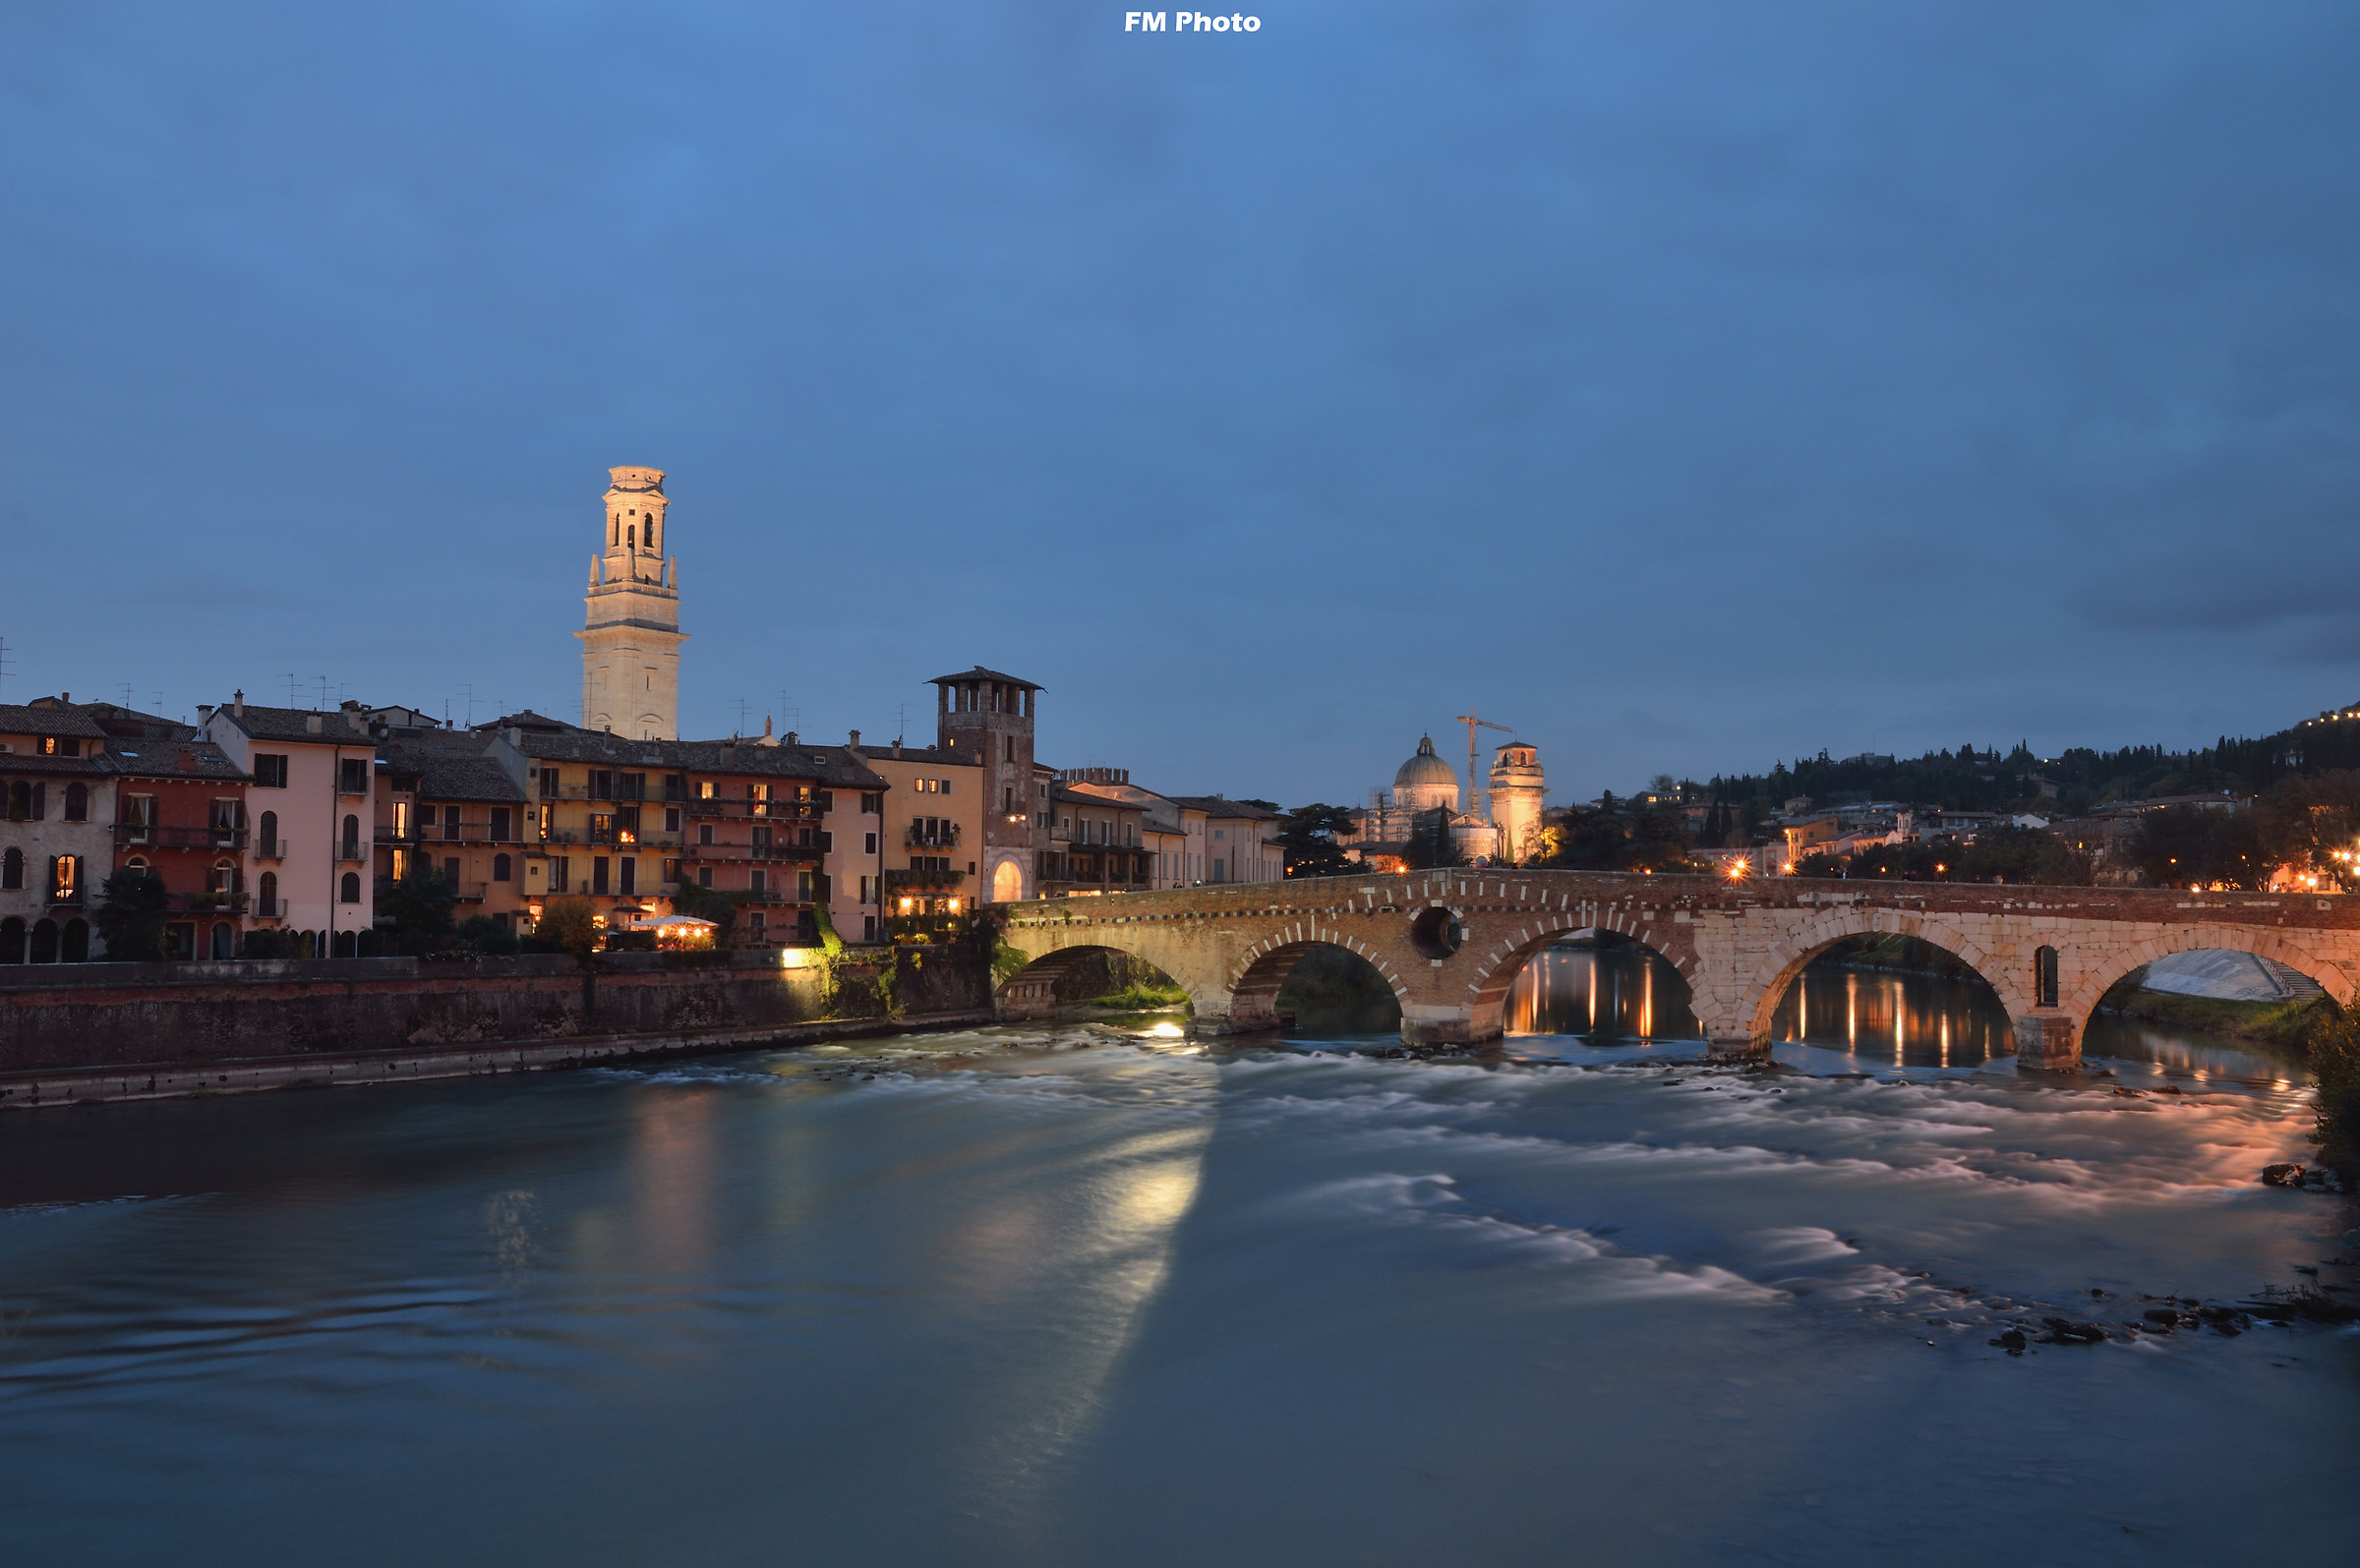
{"x":1518,"y":789}
{"x":988,"y":717}
{"x":631,"y":636}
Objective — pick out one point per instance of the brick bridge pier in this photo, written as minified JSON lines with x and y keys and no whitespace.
{"x":1451,"y":943}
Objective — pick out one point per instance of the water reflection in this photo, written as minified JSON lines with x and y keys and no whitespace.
{"x":1892,"y":1018}
{"x":1602,"y":992}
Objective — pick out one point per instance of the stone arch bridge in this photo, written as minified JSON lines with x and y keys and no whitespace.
{"x":1451,"y":943}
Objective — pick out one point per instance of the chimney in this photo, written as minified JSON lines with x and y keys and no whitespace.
{"x":766,"y":726}
{"x":897,"y":745}
{"x":791,"y":739}
{"x":311,"y":722}
{"x":237,"y":703}
{"x":856,"y":740}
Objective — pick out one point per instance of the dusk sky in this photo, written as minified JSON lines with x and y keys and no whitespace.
{"x":1688,"y":386}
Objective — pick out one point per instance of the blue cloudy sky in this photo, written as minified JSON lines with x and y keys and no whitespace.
{"x":1689,"y":385}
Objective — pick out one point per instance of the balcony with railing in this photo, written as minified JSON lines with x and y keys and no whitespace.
{"x":943,"y":837}
{"x":166,"y":837}
{"x":271,"y":848}
{"x":209,"y":902}
{"x":352,"y":849}
{"x":922,"y":881}
{"x":758,"y":810}
{"x":805,"y":853}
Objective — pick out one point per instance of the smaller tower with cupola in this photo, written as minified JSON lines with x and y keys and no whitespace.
{"x":1518,"y":789}
{"x":631,"y":635}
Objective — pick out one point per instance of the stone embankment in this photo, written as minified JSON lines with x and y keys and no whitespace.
{"x":83,"y":1032}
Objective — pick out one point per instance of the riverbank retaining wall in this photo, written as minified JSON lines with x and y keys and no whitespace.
{"x":70,"y":1017}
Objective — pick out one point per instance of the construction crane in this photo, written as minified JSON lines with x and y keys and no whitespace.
{"x":1471,"y":722}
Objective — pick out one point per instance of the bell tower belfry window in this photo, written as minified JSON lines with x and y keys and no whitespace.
{"x":631,"y":635}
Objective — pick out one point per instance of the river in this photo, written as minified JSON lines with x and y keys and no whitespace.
{"x":1084,"y":1295}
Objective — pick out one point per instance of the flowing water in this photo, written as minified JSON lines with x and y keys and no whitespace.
{"x":1076,"y":1296}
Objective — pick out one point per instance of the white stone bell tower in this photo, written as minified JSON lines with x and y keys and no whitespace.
{"x":631,"y":637}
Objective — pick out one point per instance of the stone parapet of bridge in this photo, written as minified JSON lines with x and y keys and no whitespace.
{"x":1451,"y":942}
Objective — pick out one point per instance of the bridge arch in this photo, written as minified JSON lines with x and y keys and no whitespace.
{"x":2092,"y":974}
{"x":1496,"y":971}
{"x":1767,"y":986}
{"x":1034,"y":988}
{"x":1264,"y":968}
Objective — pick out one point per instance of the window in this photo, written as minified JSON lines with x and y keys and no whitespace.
{"x":806,"y":887}
{"x":223,"y":820}
{"x":266,"y":894}
{"x":600,"y":871}
{"x":549,"y":820}
{"x":349,"y":891}
{"x":602,"y":783}
{"x":704,"y":876}
{"x":671,"y":869}
{"x":221,"y":882}
{"x":627,"y":823}
{"x":1011,"y":748}
{"x":352,"y":837}
{"x":450,"y":870}
{"x":450,"y":823}
{"x":428,"y":816}
{"x":671,"y":819}
{"x":500,"y":827}
{"x":503,"y":868}
{"x":549,"y":780}
{"x":872,"y":804}
{"x":704,"y":790}
{"x":270,"y":843}
{"x":138,"y":813}
{"x":78,"y":802}
{"x":672,"y":789}
{"x":20,"y":801}
{"x":704,"y":833}
{"x":2044,"y":976}
{"x":602,"y":827}
{"x":758,"y":796}
{"x":629,"y":879}
{"x":868,"y":844}
{"x":560,"y":873}
{"x":761,"y":840}
{"x":269,"y":770}
{"x":12,"y":868}
{"x":758,"y":879}
{"x":825,"y":800}
{"x":827,"y":843}
{"x":354,"y":775}
{"x":630,"y":787}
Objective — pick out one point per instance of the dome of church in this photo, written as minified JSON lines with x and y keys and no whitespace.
{"x":1426,"y":781}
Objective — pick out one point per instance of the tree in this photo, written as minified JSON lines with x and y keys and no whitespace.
{"x":1430,"y":841}
{"x":570,"y":925}
{"x":1309,"y":834}
{"x":420,"y":904}
{"x":129,"y":915}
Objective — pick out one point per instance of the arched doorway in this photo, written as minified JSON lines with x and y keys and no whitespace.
{"x":11,"y":940}
{"x":45,"y":942}
{"x":74,"y":947}
{"x":1007,"y":883}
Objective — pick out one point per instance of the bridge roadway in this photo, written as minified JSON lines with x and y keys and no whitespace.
{"x":1451,"y":943}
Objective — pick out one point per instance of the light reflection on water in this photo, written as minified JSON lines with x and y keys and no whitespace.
{"x":1624,"y":993}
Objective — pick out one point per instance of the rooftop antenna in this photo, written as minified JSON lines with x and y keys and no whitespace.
{"x":1470,"y":721}
{"x":323,"y":691}
{"x":469,"y":691}
{"x":4,"y":659}
{"x":902,"y":725}
{"x":742,"y":708}
{"x":127,"y":694}
{"x":292,"y":685}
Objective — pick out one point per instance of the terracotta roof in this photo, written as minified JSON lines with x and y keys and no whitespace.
{"x":980,"y":673}
{"x":295,"y":724}
{"x":176,"y":758}
{"x":930,"y":754}
{"x":453,"y":775}
{"x":70,"y":721}
{"x":1216,"y":806}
